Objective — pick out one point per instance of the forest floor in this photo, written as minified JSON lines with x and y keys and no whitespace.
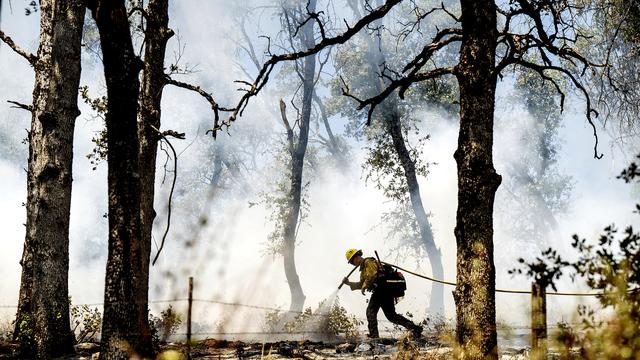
{"x":403,"y":349}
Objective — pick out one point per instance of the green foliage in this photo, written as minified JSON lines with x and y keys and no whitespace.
{"x":382,"y":165}
{"x":166,"y":325}
{"x":383,"y":169}
{"x":86,"y":322}
{"x":536,"y":192}
{"x":26,"y":337}
{"x":363,"y":61}
{"x":277,"y":199}
{"x":630,"y":173}
{"x":328,"y":322}
{"x":623,"y":16}
{"x":339,"y":321}
{"x":544,"y":270}
{"x":614,"y":41}
{"x":99,"y":106}
{"x":612,"y":267}
{"x":31,"y":8}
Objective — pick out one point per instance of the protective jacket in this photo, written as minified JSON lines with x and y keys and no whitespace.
{"x":369,"y":271}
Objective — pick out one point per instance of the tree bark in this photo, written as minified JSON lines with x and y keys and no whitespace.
{"x":43,"y":306}
{"x":125,"y":325}
{"x":477,"y":183}
{"x":153,"y":80}
{"x":297,"y":166}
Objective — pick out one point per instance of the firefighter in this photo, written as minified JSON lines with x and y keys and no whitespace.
{"x":370,"y":271}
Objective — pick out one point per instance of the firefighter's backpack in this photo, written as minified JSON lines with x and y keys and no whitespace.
{"x":392,"y":281}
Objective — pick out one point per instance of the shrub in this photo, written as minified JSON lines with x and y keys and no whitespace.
{"x":328,"y":322}
{"x":166,"y":325}
{"x":86,"y":322}
{"x":610,"y":266}
{"x":26,"y":338}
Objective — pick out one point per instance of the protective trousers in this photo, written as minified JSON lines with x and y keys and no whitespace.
{"x":380,"y":299}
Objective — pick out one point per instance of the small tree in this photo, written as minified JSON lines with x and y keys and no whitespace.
{"x":165,"y":325}
{"x":86,"y":322}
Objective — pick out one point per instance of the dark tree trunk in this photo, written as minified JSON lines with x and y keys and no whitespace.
{"x":43,"y":306}
{"x":125,"y":325}
{"x":477,"y":182}
{"x":153,"y":80}
{"x":297,"y":165}
{"x":393,"y":127}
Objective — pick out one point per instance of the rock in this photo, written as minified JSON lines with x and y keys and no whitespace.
{"x":380,"y":348}
{"x":363,"y":347}
{"x":345,"y":348}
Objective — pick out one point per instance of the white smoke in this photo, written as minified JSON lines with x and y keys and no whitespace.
{"x":226,"y":258}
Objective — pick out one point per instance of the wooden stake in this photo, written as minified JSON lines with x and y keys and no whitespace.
{"x":189,"y":318}
{"x":538,"y":322}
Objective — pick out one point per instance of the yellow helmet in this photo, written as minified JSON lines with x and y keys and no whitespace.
{"x":351,"y":253}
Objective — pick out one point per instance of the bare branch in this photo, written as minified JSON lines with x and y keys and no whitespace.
{"x":283,"y":113}
{"x":173,"y":182}
{"x":263,"y":76}
{"x":427,"y":52}
{"x":25,"y":54}
{"x":589,"y":109}
{"x":554,"y":46}
{"x":214,"y":105}
{"x":17,"y":105}
{"x":402,"y":84}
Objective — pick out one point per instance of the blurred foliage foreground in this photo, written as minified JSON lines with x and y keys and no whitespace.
{"x":610,"y":266}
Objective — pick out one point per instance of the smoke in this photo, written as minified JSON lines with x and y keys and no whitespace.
{"x":218,"y":237}
{"x":17,"y":82}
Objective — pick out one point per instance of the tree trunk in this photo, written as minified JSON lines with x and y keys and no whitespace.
{"x":297,"y":165}
{"x":393,"y":127}
{"x":331,"y":143}
{"x":43,"y":306}
{"x":153,"y":80}
{"x":477,"y":183}
{"x":125,"y":325}
{"x":216,"y":175}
